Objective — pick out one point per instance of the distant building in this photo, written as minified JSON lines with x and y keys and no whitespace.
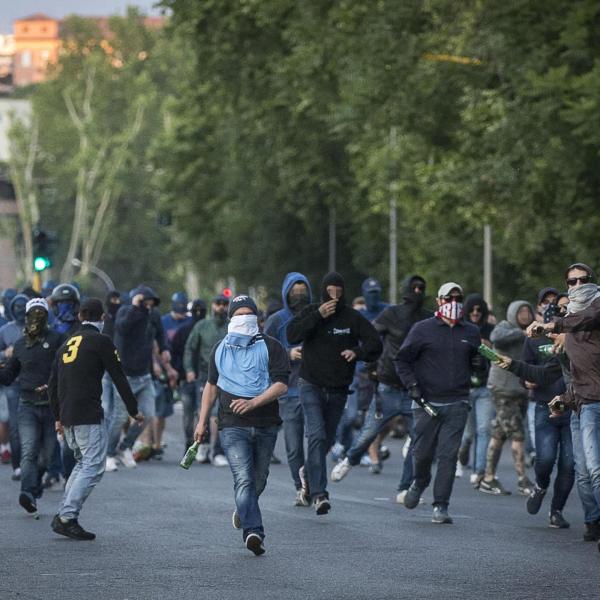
{"x":37,"y":42}
{"x":7,"y":51}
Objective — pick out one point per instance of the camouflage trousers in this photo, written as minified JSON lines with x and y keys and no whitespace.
{"x":509,"y":422}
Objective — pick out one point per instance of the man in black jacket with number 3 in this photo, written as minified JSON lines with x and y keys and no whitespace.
{"x":75,"y":391}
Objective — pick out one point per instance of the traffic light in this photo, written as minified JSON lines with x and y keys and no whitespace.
{"x":43,"y":247}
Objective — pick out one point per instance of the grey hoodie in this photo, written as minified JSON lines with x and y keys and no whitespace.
{"x":508,"y":339}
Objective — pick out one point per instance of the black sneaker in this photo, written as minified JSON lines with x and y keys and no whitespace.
{"x":71,"y":529}
{"x":557,"y":521}
{"x":534,"y":502}
{"x":413,"y":495}
{"x":492,"y":487}
{"x":592,"y":532}
{"x":375,"y":468}
{"x":384,"y":453}
{"x":525,"y":486}
{"x":322,"y":505}
{"x":441,"y":516}
{"x":157,"y":454}
{"x":27,"y":502}
{"x":255,"y":544}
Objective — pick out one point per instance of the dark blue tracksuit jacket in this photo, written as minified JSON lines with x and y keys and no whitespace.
{"x":437,"y":358}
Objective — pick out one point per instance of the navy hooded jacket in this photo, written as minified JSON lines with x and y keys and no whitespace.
{"x":276,"y":326}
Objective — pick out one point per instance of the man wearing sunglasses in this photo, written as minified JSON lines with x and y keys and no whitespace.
{"x":435,"y":363}
{"x":582,"y":344}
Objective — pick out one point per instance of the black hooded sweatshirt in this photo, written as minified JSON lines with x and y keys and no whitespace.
{"x":394,"y":323}
{"x":323,"y":340}
{"x":485,"y":329}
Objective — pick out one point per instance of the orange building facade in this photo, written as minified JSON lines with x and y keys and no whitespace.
{"x":36,"y":45}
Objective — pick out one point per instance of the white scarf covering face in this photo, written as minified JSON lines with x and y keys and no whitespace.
{"x":244,"y":325}
{"x":581,"y":297}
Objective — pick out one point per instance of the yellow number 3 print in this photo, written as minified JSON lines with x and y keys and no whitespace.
{"x":73,"y":349}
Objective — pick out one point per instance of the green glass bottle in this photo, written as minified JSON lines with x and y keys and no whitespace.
{"x":190,"y":455}
{"x":488,"y":353}
{"x":547,"y":350}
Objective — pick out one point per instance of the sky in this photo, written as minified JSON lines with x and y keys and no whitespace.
{"x":15,"y":9}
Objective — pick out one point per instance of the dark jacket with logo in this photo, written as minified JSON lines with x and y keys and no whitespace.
{"x":393,"y":324}
{"x":33,"y":366}
{"x":323,"y":341}
{"x":75,"y":387}
{"x":438,"y":358}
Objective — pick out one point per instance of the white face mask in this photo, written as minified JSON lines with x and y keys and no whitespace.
{"x":244,"y":325}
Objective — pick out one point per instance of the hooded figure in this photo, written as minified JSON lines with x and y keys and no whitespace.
{"x":276,"y":324}
{"x":508,"y":338}
{"x":485,"y":328}
{"x":371,"y":291}
{"x":394,"y":323}
{"x":13,"y":331}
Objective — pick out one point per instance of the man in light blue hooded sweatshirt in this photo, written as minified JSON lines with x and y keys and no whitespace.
{"x":248,"y":371}
{"x":296,"y":295}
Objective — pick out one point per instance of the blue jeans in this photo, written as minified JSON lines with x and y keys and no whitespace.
{"x":115,"y":414}
{"x":290,"y":411}
{"x":142,"y":387}
{"x":552,"y":441}
{"x":478,"y":425}
{"x":585,"y":430}
{"x":249,"y":451}
{"x":38,"y":438}
{"x":12,"y":399}
{"x":323,"y":410}
{"x":88,"y":443}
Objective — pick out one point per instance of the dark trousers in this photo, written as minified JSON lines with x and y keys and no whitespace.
{"x":438,"y":437}
{"x":552,"y":442}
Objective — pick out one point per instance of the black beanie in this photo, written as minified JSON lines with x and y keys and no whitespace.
{"x":240,"y":302}
{"x":91,"y":309}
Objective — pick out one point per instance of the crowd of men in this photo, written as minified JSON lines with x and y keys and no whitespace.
{"x":88,"y":386}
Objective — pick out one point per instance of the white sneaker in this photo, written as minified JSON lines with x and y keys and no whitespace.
{"x":220,"y":461}
{"x":301,"y":499}
{"x":126,"y":458}
{"x":235,"y":520}
{"x":459,"y":470}
{"x":365,"y":461}
{"x":400,"y":496}
{"x":203,"y":451}
{"x":340,"y":470}
{"x":111,"y":464}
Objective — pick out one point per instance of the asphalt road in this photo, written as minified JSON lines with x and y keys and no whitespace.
{"x":165,"y":533}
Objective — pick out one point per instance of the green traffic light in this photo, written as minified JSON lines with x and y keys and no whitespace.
{"x":41,"y":263}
